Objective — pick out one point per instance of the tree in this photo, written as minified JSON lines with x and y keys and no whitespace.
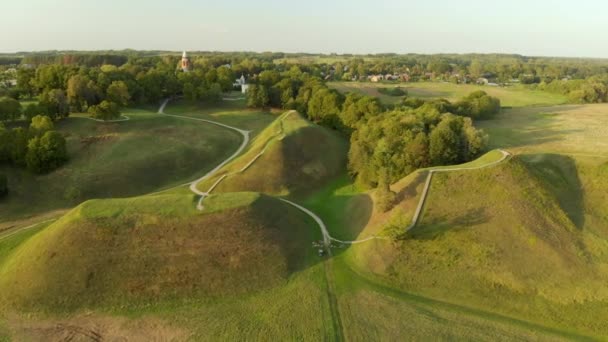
{"x":46,"y":153}
{"x":40,"y":125}
{"x":476,"y":69}
{"x":257,"y":96}
{"x":56,"y":103}
{"x":19,"y":141}
{"x":82,"y":92}
{"x":5,"y":144}
{"x":445,"y":143}
{"x":25,"y":81}
{"x":118,"y":92}
{"x":324,"y":107}
{"x":225,"y":77}
{"x":10,"y":109}
{"x":106,"y":110}
{"x":3,"y":186}
{"x":33,"y":109}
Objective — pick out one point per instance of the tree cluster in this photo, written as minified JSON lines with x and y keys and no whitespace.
{"x":386,"y":145}
{"x":39,"y":148}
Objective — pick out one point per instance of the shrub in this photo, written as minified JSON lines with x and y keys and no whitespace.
{"x":3,"y":186}
{"x":46,"y":153}
{"x":397,"y":91}
{"x":106,"y":110}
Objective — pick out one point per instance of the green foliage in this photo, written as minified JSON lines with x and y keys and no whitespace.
{"x":477,"y":105}
{"x":324,"y":107}
{"x":10,"y":109}
{"x":3,"y":185}
{"x":396,"y":91}
{"x":257,"y":96}
{"x":56,"y":103}
{"x":106,"y":110}
{"x":33,"y":109}
{"x":46,"y":153}
{"x":19,"y":141}
{"x":118,"y":92}
{"x":357,"y":108}
{"x":394,"y":144}
{"x":40,"y":125}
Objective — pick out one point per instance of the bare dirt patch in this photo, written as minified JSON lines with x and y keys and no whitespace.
{"x":94,"y":328}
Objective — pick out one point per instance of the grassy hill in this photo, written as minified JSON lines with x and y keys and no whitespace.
{"x":119,"y":159}
{"x":125,"y":252}
{"x":298,"y":156}
{"x":526,"y":239}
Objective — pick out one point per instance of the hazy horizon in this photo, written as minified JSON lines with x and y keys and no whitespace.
{"x":544,"y":28}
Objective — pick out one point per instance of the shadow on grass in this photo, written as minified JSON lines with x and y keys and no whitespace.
{"x":441,"y":225}
{"x":559,"y":175}
{"x":518,"y":128}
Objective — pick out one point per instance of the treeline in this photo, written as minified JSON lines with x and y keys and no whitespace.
{"x":386,"y":145}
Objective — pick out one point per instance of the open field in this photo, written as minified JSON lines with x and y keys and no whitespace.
{"x":515,"y":96}
{"x":120,"y":159}
{"x":574,"y":129}
{"x":233,"y":113}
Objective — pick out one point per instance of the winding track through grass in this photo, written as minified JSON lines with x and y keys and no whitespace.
{"x":429,"y":177}
{"x":327,"y":238}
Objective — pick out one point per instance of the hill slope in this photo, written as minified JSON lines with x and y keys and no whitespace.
{"x":297,"y":156}
{"x":118,"y":160}
{"x":140,"y":250}
{"x":526,"y":238}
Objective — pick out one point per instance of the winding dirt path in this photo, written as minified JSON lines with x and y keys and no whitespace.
{"x":429,"y":177}
{"x":244,"y":144}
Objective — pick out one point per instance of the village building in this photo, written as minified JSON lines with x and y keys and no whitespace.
{"x":186,"y":63}
{"x":242,"y":84}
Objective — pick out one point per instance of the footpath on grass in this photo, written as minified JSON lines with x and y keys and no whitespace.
{"x":327,"y":238}
{"x":429,"y":177}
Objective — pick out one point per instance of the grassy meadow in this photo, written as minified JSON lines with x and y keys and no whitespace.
{"x":580,"y":130}
{"x":144,"y":154}
{"x":233,"y":113}
{"x":514,"y":96}
{"x":517,"y":251}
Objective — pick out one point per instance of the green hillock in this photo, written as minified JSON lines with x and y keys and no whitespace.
{"x":122,"y":252}
{"x":526,"y":238}
{"x":298,"y":156}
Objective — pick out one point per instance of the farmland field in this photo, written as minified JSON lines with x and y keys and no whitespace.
{"x":515,"y":96}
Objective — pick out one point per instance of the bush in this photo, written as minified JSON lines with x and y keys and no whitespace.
{"x":46,"y":153}
{"x":106,"y":110}
{"x":397,"y":91}
{"x":3,"y":186}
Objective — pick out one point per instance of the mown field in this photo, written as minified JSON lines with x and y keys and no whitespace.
{"x":574,"y":129}
{"x":514,"y":96}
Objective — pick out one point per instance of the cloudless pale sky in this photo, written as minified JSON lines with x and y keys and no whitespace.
{"x":529,"y":27}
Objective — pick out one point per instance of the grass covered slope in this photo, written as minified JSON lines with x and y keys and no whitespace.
{"x":526,"y":238}
{"x":298,"y":156}
{"x":108,"y":253}
{"x":120,"y":159}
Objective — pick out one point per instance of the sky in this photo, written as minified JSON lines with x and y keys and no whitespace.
{"x":529,"y":27}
